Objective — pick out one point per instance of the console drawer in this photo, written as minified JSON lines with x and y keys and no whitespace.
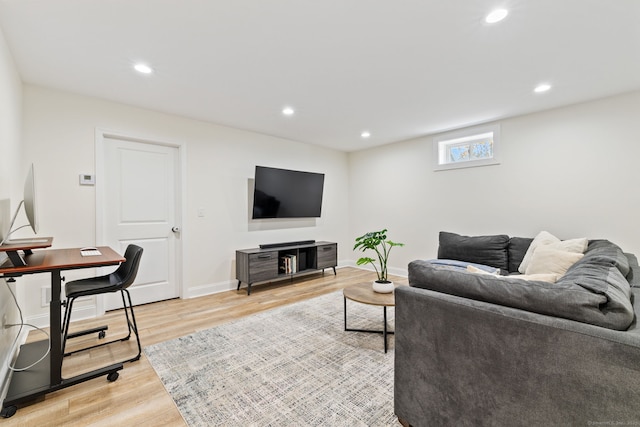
{"x":327,"y":256}
{"x":263,"y":266}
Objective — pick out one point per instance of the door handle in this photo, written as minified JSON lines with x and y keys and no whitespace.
{"x":175,"y":229}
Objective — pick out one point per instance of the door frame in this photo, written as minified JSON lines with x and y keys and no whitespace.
{"x":180,"y":188}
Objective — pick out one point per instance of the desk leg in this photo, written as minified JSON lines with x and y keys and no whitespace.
{"x":54,"y":321}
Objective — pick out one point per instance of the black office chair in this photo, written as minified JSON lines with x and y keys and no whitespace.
{"x":119,"y":280}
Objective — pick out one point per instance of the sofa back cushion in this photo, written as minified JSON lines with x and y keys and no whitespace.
{"x":634,"y":271}
{"x":517,"y":249}
{"x":485,"y":250}
{"x":603,"y":270}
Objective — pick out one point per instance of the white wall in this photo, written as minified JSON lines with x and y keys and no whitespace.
{"x":572,"y":171}
{"x":59,"y":137}
{"x":10,"y":119}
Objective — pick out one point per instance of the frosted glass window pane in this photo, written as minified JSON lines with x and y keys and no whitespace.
{"x":466,"y":148}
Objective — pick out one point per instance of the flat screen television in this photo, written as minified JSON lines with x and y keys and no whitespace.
{"x":284,"y":193}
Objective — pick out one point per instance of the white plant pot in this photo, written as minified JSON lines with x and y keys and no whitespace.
{"x":383,"y":287}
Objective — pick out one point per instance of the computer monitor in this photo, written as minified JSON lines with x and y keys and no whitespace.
{"x":29,"y":203}
{"x":29,"y":199}
{"x":5,"y":218}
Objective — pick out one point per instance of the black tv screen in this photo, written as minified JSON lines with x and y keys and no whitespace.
{"x":283,"y":193}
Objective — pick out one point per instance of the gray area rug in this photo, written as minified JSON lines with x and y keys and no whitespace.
{"x":290,"y":366}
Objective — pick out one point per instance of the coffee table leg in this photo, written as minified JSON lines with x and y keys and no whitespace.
{"x":345,"y":313}
{"x":385,"y":331}
{"x":385,"y":328}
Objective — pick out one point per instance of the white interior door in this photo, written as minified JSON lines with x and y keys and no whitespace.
{"x":139,"y":206}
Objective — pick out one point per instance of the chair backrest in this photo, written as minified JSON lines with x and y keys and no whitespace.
{"x":126,"y":273}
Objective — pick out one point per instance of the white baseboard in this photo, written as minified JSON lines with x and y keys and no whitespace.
{"x":39,"y":320}
{"x":211,"y":288}
{"x":79,"y":313}
{"x":402,"y":272}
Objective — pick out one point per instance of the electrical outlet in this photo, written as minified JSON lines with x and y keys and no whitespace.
{"x":46,"y":296}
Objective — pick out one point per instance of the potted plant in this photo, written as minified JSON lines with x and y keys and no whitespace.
{"x":377,"y":241}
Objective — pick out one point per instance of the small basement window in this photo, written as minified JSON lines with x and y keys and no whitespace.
{"x":466,"y":148}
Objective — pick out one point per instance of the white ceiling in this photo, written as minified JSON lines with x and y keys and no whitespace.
{"x":398,"y":68}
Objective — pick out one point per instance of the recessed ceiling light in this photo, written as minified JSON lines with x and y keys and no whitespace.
{"x":143,"y":68}
{"x":365,"y":134}
{"x":288,"y":111}
{"x":542,"y":87}
{"x":496,"y":16}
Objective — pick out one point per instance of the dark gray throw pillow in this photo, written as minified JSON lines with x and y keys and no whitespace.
{"x":518,"y":246}
{"x":486,"y":250}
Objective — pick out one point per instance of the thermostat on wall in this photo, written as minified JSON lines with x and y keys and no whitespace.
{"x":87,"y":179}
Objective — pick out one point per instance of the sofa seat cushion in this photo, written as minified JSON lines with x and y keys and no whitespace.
{"x":484,"y":250}
{"x":594,"y":290}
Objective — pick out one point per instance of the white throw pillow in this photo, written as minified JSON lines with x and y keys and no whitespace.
{"x":571,"y":245}
{"x":543,"y":238}
{"x":554,"y":261}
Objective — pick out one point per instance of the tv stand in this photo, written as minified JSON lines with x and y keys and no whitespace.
{"x":284,"y":261}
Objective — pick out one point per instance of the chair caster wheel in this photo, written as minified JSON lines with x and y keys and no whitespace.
{"x":112,"y":376}
{"x":8,"y":411}
{"x":102,"y":334}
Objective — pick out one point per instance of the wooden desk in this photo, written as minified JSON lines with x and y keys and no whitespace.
{"x":46,"y":376}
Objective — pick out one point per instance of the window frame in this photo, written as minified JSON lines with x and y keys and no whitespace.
{"x":443,"y":143}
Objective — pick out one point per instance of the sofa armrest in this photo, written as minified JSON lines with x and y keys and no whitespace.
{"x":464,"y":362}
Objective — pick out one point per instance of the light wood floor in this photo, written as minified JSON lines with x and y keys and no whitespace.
{"x":138,"y":397}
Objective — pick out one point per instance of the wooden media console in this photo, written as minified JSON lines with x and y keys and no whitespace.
{"x":280,"y":261}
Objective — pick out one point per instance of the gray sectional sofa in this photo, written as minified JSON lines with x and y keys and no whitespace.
{"x":488,"y":350}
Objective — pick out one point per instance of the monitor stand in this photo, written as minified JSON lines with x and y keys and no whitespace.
{"x":26,"y":241}
{"x":14,"y":247}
